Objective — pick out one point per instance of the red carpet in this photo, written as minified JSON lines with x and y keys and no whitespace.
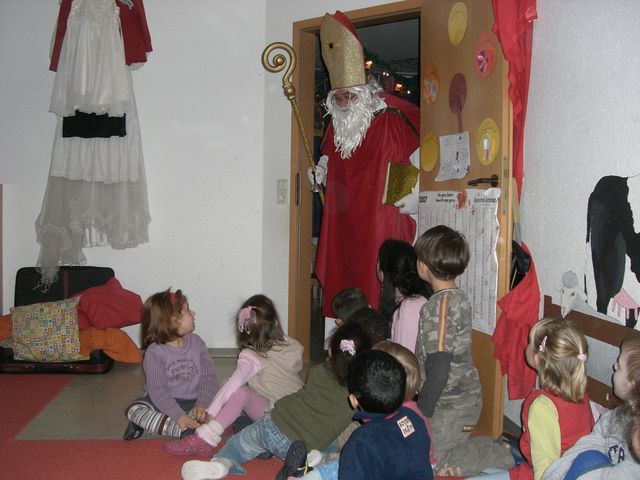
{"x":23,"y":396}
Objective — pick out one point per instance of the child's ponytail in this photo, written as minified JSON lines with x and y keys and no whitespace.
{"x":562,"y":351}
{"x":258,"y":325}
{"x":346,"y":341}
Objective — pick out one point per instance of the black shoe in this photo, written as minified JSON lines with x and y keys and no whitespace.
{"x":132,"y":432}
{"x":295,"y":463}
{"x":241,"y":422}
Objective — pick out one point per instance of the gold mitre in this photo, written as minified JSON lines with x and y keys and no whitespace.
{"x":342,"y":51}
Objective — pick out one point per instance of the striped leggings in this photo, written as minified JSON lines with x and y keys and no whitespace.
{"x":143,"y":413}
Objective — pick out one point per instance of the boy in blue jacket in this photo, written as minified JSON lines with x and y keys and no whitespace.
{"x":393,"y":441}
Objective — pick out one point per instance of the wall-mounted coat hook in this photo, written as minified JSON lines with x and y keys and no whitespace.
{"x":493,"y":180}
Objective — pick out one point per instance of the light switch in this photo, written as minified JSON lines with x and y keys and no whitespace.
{"x":282,"y":191}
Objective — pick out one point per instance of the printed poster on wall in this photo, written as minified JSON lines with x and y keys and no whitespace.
{"x":472,"y":212}
{"x":455,"y":160}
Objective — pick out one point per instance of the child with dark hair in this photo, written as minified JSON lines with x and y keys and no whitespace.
{"x":316,"y":414}
{"x":411,"y":366}
{"x":180,"y":379}
{"x":393,"y":441}
{"x":346,"y":302}
{"x":375,"y":388}
{"x":372,"y":321}
{"x":403,"y":291}
{"x":267,"y":369}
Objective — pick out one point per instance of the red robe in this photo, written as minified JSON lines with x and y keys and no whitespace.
{"x":354,"y":220}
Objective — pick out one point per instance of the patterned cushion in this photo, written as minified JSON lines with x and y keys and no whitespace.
{"x":46,"y":331}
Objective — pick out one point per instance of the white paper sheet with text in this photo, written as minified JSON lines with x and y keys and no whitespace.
{"x":454,"y":156}
{"x":472,"y":212}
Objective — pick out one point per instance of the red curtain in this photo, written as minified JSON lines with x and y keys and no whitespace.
{"x":520,"y":310}
{"x":514,"y":28}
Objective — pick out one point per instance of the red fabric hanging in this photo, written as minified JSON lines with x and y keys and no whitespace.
{"x":514,"y":28}
{"x":520,"y":310}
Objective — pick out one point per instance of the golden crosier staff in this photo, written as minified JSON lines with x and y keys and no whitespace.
{"x":277,"y":64}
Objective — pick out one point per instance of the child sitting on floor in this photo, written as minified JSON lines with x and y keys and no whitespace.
{"x":558,"y":413}
{"x":328,"y":470}
{"x":316,"y":414}
{"x":179,"y":374}
{"x":267,"y":369}
{"x":611,"y":450}
{"x":392,"y":441}
{"x":346,"y":302}
{"x":372,"y":321}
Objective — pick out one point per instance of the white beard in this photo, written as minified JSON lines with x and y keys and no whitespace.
{"x":350,"y":128}
{"x":351,"y":122}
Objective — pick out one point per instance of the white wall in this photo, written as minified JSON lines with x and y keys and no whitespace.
{"x":200,"y":101}
{"x":216,"y":135}
{"x":583,"y":123}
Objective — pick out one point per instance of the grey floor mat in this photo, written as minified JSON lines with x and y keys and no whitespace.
{"x":92,"y":406}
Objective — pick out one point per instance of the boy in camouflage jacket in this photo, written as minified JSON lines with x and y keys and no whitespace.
{"x":451,"y":397}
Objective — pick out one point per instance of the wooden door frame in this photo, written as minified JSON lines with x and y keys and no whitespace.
{"x":300,"y":216}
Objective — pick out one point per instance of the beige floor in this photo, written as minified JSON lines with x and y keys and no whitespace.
{"x":92,"y":406}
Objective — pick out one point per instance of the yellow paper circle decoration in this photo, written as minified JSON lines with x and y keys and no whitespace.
{"x":487,"y":141}
{"x":457,"y":24}
{"x":429,"y":152}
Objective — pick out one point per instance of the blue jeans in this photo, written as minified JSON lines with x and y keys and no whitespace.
{"x":251,"y":441}
{"x":328,"y":470}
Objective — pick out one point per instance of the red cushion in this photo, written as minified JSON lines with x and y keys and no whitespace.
{"x":109,"y":306}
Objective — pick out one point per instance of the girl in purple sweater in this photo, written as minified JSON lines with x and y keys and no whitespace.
{"x":180,"y":379}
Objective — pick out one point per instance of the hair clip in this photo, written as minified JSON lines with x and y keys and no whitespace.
{"x":582,"y":357}
{"x":172,"y":299}
{"x":348,"y":346}
{"x":543,"y":345}
{"x":245,"y":316}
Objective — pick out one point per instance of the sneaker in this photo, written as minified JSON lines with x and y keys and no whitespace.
{"x":295,"y":463}
{"x":314,"y":458}
{"x":132,"y":431}
{"x":199,"y":470}
{"x":190,"y":445}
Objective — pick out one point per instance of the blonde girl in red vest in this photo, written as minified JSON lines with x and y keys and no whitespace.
{"x":612,"y":450}
{"x":557,"y":414}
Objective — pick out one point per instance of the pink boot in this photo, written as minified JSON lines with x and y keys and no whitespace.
{"x":189,"y":445}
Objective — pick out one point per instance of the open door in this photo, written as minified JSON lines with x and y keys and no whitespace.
{"x":464,"y":83}
{"x":301,"y":250}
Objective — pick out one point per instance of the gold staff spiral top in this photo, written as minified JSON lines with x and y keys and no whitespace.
{"x":276,"y":64}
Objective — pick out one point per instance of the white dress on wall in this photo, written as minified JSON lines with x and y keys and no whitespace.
{"x":91,"y":74}
{"x":96,"y":190}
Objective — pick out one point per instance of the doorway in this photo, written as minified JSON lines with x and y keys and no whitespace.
{"x":377,"y":26}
